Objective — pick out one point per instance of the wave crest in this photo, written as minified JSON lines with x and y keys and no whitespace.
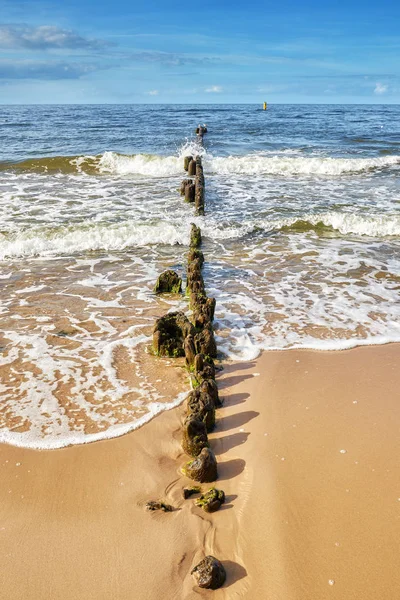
{"x":67,"y":240}
{"x":295,"y":165}
{"x":62,"y":241}
{"x":153,"y":165}
{"x":346,"y":223}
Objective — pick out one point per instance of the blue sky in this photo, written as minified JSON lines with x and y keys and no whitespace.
{"x":97,"y":51}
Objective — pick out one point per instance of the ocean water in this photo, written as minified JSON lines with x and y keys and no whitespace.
{"x":301,"y":237}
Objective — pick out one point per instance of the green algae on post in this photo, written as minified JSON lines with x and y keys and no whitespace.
{"x":211,"y":501}
{"x":203,"y":468}
{"x":188,"y":492}
{"x":194,"y":435}
{"x":201,"y":406}
{"x":168,"y":282}
{"x":169,"y":334}
{"x":195,"y":236}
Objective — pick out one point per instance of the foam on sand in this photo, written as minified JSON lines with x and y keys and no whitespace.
{"x":95,"y":404}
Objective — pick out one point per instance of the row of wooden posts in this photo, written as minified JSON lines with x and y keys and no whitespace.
{"x":176,"y":335}
{"x":193,"y":189}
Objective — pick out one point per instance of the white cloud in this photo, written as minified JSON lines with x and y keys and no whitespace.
{"x":153,"y":93}
{"x":380,"y":88}
{"x":214,"y":89}
{"x":44,"y":37}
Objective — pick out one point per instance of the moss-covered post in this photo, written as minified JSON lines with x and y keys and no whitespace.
{"x":195,"y":237}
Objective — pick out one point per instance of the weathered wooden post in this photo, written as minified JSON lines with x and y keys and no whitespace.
{"x":199,"y":194}
{"x":201,"y":130}
{"x":190,"y":190}
{"x":183,"y":185}
{"x":186,"y":162}
{"x":192,"y":168}
{"x":195,"y":236}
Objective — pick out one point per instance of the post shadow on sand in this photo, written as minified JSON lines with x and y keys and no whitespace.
{"x":236,"y":420}
{"x":234,"y":572}
{"x":239,"y":367}
{"x":224,"y":444}
{"x":230,"y":381}
{"x":235,"y":399}
{"x":228,"y":502}
{"x":230,"y":468}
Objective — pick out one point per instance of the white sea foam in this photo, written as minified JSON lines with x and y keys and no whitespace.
{"x":255,"y":164}
{"x":149,"y":165}
{"x":36,"y":399}
{"x":29,"y":290}
{"x":282,"y":163}
{"x":140,"y":164}
{"x":345,"y":222}
{"x":250,"y":164}
{"x":330,"y":295}
{"x":380,"y":226}
{"x":31,"y":439}
{"x":306,"y":288}
{"x":69,"y":240}
{"x":108,"y":237}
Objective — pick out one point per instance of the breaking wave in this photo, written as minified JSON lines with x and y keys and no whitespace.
{"x":68,"y":240}
{"x":295,"y":165}
{"x":152,"y":165}
{"x":115,"y":237}
{"x":347,"y":223}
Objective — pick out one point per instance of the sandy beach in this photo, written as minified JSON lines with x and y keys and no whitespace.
{"x":307,"y":445}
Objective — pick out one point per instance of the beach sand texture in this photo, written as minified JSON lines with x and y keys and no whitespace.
{"x":307,"y":447}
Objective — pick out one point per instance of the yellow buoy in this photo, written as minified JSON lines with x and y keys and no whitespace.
{"x":265,"y":106}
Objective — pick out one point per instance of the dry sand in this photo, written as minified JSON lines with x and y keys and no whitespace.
{"x":308,"y":448}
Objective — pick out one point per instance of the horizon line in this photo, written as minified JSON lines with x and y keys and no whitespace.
{"x":200,"y":104}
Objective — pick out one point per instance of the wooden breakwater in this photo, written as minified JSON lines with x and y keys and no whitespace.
{"x":194,"y":189}
{"x":177,"y":335}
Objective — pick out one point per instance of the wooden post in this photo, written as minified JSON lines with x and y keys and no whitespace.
{"x":184,"y":184}
{"x":190,"y":190}
{"x":199,"y":182}
{"x":192,"y":168}
{"x":195,"y":236}
{"x":186,"y":162}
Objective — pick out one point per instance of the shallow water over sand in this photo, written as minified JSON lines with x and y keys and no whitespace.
{"x":301,"y":237}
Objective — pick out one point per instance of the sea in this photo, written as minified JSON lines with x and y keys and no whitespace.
{"x":301,"y":236}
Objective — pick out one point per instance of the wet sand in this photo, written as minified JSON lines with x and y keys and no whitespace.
{"x":308,"y":449}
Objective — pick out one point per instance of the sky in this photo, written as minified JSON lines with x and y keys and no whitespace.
{"x":98,"y":51}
